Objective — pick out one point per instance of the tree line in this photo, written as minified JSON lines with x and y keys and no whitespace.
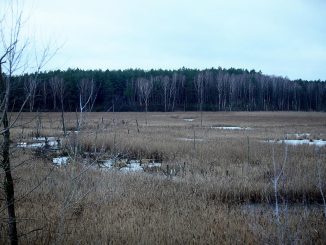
{"x":166,"y":90}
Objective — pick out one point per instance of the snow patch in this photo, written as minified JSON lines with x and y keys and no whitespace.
{"x":60,"y":160}
{"x":108,"y":164}
{"x":44,"y":138}
{"x":190,"y":139}
{"x":40,"y":142}
{"x":318,"y":143}
{"x":154,"y":165}
{"x":230,"y":128}
{"x":188,"y":119}
{"x":72,"y":131}
{"x":132,"y":166}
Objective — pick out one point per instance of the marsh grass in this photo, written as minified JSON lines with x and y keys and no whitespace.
{"x":215,"y":195}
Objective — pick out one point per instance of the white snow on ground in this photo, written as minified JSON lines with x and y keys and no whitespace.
{"x":72,"y":131}
{"x":108,"y":164}
{"x":36,"y":145}
{"x":60,"y":160}
{"x":318,"y":143}
{"x":132,"y":166}
{"x":154,"y":164}
{"x":188,"y":119}
{"x":39,"y":142}
{"x":190,"y":139}
{"x":230,"y":128}
{"x":44,"y":138}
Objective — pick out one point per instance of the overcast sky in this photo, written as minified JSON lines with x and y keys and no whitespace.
{"x":278,"y":37}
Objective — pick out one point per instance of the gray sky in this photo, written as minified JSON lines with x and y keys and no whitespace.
{"x":278,"y":37}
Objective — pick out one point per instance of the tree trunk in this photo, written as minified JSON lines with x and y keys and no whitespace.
{"x":8,"y":182}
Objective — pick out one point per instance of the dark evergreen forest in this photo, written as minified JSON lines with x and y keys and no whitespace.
{"x":165,"y":90}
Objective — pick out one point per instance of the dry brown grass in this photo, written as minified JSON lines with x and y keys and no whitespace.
{"x":218,"y":198}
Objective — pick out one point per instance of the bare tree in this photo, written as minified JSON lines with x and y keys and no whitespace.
{"x":173,"y":90}
{"x":5,"y":163}
{"x":54,"y":90}
{"x":10,"y":55}
{"x":199,"y":85}
{"x":44,"y":94}
{"x":96,"y":89}
{"x":58,"y":91}
{"x":165,"y":84}
{"x":61,"y":87}
{"x":30,"y":85}
{"x":219,"y":86}
{"x":278,"y":173}
{"x":86,"y":96}
{"x":170,"y":90}
{"x":12,"y":50}
{"x":145,"y":87}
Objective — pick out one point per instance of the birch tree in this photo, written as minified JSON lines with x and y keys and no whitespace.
{"x":86,"y":96}
{"x":165,"y":85}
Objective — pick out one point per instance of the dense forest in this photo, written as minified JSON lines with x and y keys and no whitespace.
{"x":165,"y":90}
